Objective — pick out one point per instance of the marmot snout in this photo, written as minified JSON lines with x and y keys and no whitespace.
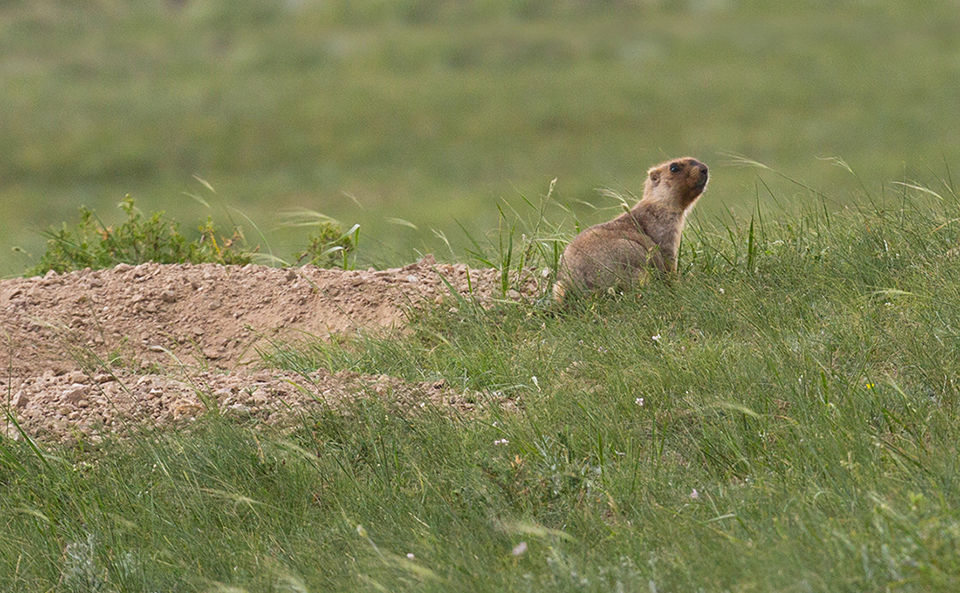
{"x":619,"y":253}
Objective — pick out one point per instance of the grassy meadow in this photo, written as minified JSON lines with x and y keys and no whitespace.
{"x":783,"y":417}
{"x":416,"y":116}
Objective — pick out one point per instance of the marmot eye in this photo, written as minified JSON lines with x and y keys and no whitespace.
{"x":674,"y":167}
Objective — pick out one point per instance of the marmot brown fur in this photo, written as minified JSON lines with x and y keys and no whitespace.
{"x":618,"y":254}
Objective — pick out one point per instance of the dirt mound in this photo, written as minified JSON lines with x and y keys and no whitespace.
{"x":78,"y":348}
{"x":80,"y":405}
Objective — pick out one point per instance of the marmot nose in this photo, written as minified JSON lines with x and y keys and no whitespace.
{"x":703,"y":169}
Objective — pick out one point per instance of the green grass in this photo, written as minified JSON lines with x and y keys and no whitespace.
{"x":431,"y":111}
{"x":781,"y":418}
{"x":800,"y":378}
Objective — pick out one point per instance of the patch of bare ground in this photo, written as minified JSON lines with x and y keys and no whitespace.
{"x":90,"y":351}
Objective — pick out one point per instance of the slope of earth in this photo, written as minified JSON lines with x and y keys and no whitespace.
{"x":88,"y":351}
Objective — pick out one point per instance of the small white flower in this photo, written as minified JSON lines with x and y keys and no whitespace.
{"x":694,"y":494}
{"x":410,"y":556}
{"x":501,"y":442}
{"x":655,"y":338}
{"x":721,"y":291}
{"x":639,"y":401}
{"x":520,"y":548}
{"x":535,"y":382}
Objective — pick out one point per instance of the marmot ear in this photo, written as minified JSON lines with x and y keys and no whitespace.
{"x":655,"y":177}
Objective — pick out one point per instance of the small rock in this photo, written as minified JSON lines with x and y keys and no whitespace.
{"x":168,"y":296}
{"x":21,"y":399}
{"x":211,"y":353}
{"x":291,"y":275}
{"x":214,"y":305}
{"x":75,"y":393}
{"x":76,"y":377}
{"x":239,"y":409}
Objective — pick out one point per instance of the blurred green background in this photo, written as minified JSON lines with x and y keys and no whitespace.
{"x":432,"y":112}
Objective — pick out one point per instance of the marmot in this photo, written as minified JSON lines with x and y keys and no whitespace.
{"x":618,"y":254}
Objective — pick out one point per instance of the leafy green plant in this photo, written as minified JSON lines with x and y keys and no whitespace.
{"x":90,"y":243}
{"x":329,"y":246}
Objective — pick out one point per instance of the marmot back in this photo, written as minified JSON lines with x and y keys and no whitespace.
{"x":619,"y":253}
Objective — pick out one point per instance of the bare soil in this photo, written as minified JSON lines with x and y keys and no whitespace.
{"x":94,"y":351}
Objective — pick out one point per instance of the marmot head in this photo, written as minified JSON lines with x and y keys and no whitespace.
{"x":680,"y":182}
